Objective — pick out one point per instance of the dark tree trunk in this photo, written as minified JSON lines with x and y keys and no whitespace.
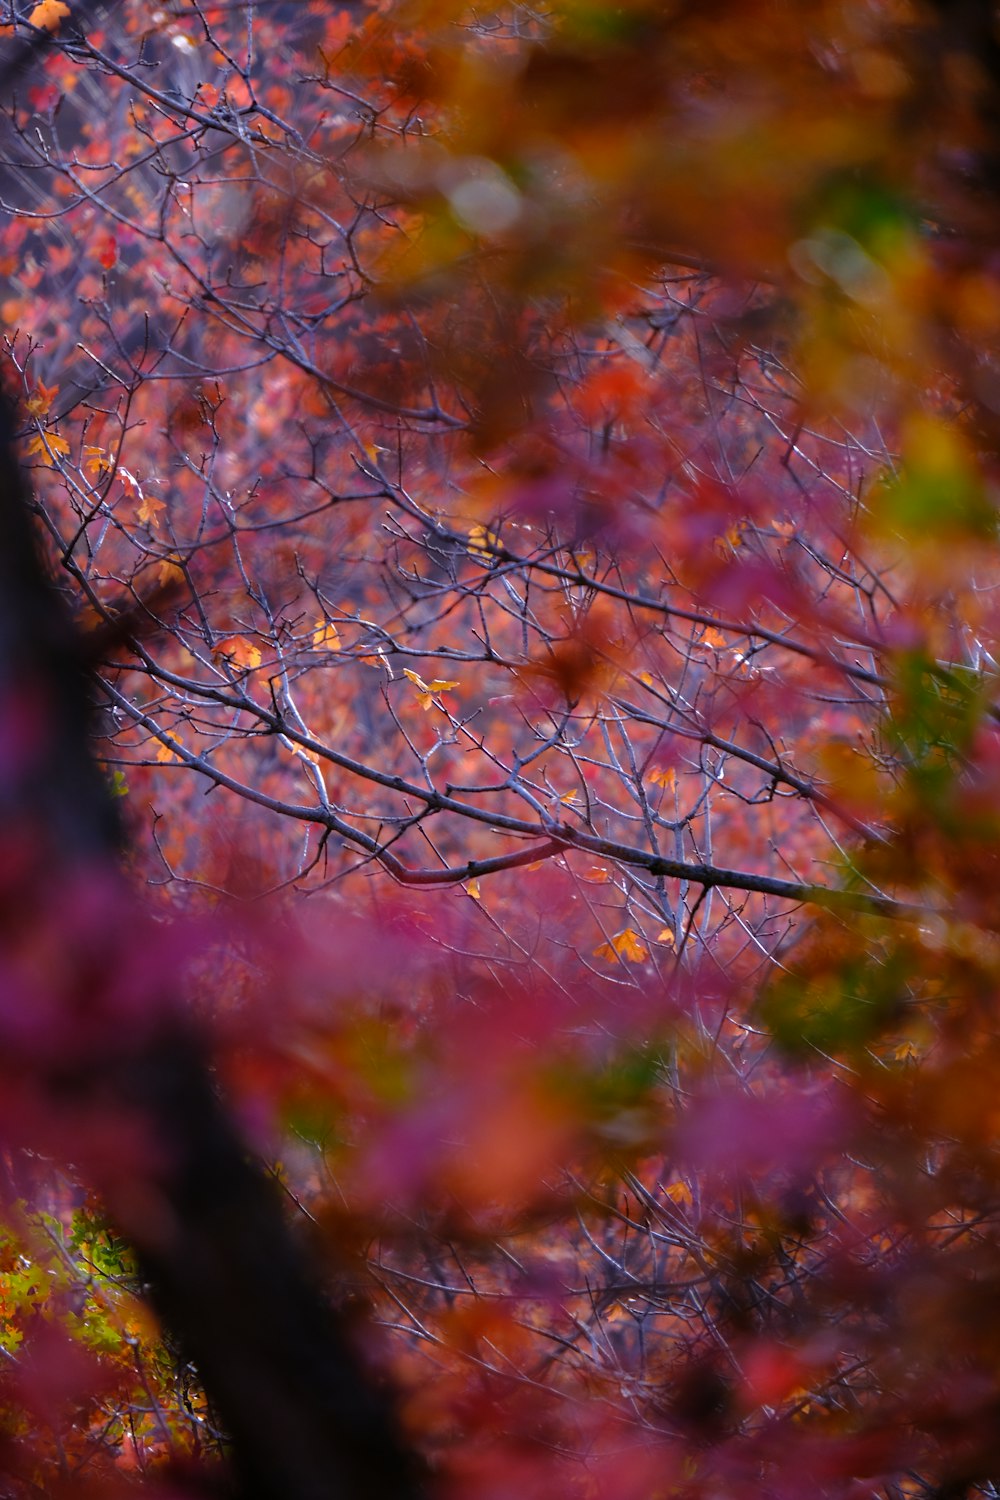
{"x":305,"y":1417}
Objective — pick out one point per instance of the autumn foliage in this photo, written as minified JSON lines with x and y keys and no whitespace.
{"x":524,"y":485}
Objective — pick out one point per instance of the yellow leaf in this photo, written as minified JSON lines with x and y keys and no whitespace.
{"x":149,"y":510}
{"x":48,"y":15}
{"x":169,"y":571}
{"x":427,"y":691}
{"x":325,"y":636}
{"x":665,"y":935}
{"x":714,"y":638}
{"x":482,"y":543}
{"x":664,"y":776}
{"x":472,"y":889}
{"x":679,"y":1192}
{"x":38,"y":404}
{"x":166,"y":755}
{"x":646,"y":678}
{"x":49,"y":446}
{"x":624,"y":945}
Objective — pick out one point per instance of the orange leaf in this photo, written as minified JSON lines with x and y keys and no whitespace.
{"x":169,"y":572}
{"x":39,"y":402}
{"x":428,"y":691}
{"x":303,"y":753}
{"x":48,"y":447}
{"x":149,"y":510}
{"x":664,"y":776}
{"x":483,"y":543}
{"x":98,"y":462}
{"x":238,"y":650}
{"x":48,"y":15}
{"x":624,"y":945}
{"x":325,"y":636}
{"x":166,"y":755}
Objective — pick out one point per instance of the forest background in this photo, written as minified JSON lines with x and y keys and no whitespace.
{"x":502,"y":996}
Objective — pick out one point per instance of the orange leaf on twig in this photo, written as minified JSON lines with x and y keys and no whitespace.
{"x":48,"y":15}
{"x":428,"y":691}
{"x":624,"y":945}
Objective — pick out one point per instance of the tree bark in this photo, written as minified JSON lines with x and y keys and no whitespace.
{"x":305,"y":1417}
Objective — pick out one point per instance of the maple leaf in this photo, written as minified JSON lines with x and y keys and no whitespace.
{"x":149,"y":510}
{"x":664,"y":776}
{"x":97,"y":461}
{"x":626,"y":944}
{"x":48,"y":15}
{"x":428,"y":691}
{"x":40,"y":400}
{"x":239,"y":651}
{"x":48,"y":446}
{"x":169,"y":572}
